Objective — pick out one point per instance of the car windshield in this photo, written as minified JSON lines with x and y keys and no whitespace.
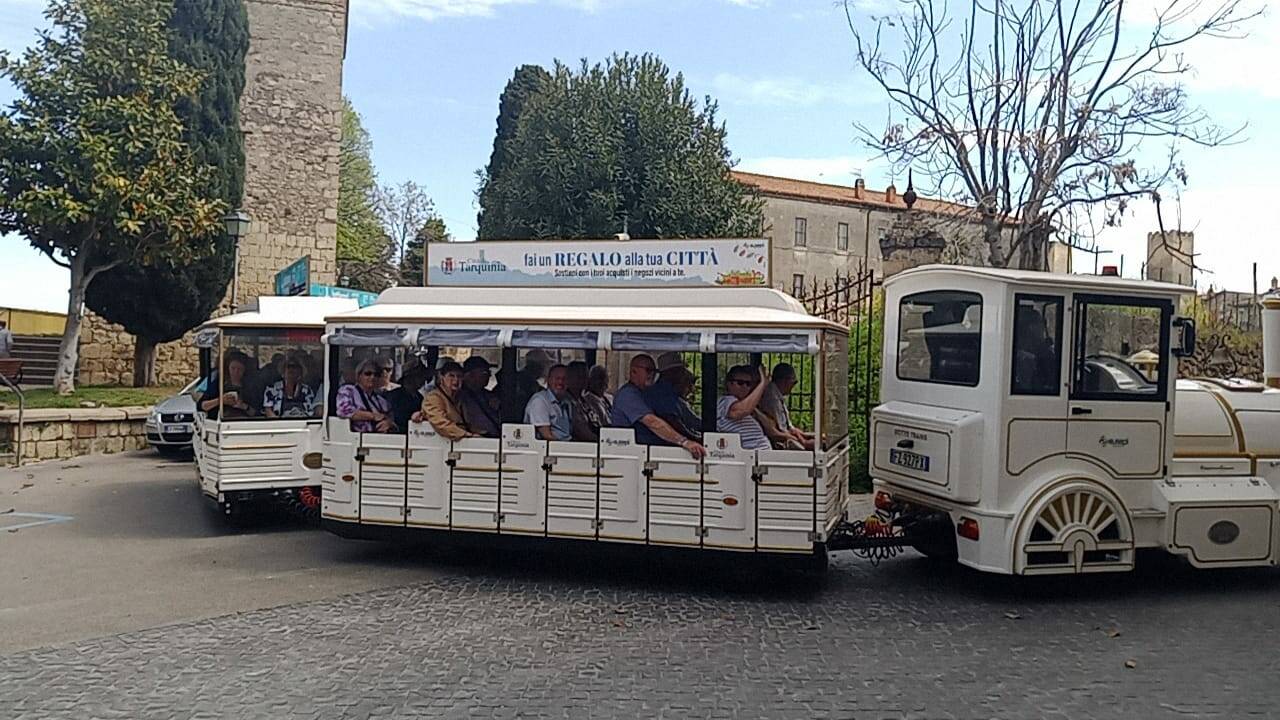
{"x":195,"y":387}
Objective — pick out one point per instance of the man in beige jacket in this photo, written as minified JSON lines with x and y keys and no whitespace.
{"x":440,"y":406}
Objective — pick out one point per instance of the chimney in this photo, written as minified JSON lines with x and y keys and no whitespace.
{"x":859,"y":187}
{"x":891,"y":194}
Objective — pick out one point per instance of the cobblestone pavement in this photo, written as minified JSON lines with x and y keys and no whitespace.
{"x":545,"y":635}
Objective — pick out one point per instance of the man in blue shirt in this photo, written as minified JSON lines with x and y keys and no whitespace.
{"x":630,"y":409}
{"x":667,"y":396}
{"x":549,"y":411}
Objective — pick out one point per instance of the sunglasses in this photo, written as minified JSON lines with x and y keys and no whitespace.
{"x":737,"y":381}
{"x":375,"y":373}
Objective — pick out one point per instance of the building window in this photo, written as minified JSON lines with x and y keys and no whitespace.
{"x":802,"y":232}
{"x":842,"y":237}
{"x":940,"y":337}
{"x":797,"y":285}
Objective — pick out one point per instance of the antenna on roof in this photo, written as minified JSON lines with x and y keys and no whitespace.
{"x":624,"y":235}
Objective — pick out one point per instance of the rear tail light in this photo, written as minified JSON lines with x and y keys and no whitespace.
{"x":967,"y":528}
{"x":884,"y":501}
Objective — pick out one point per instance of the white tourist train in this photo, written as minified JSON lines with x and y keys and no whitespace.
{"x":614,"y":489}
{"x":1038,"y":418}
{"x":258,"y":422}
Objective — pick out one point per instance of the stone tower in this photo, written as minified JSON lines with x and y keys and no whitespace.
{"x":290,"y":113}
{"x":291,"y":116}
{"x":1171,"y":260}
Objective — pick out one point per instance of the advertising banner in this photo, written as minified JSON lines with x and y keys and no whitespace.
{"x":599,"y":263}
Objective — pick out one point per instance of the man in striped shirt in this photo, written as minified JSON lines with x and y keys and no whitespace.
{"x":744,"y":386}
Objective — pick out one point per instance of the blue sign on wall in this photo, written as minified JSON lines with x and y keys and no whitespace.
{"x":296,"y":278}
{"x":363,"y":298}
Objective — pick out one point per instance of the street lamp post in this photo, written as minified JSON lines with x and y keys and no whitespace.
{"x":236,"y":224}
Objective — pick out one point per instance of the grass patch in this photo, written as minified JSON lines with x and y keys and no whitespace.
{"x":100,"y":395}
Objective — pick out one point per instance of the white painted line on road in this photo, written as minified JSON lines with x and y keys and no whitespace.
{"x":39,"y":519}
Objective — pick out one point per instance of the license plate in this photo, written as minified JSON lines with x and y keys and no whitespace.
{"x":176,"y":429}
{"x":909,"y":460}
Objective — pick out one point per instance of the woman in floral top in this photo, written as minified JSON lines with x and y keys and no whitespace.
{"x":362,"y":402}
{"x":289,"y":397}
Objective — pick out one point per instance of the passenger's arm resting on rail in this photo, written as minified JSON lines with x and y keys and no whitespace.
{"x":664,"y":430}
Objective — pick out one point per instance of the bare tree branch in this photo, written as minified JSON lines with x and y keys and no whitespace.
{"x":1036,"y":114}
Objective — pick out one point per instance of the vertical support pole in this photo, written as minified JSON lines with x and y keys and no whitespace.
{"x":710,"y":390}
{"x":869,"y":292}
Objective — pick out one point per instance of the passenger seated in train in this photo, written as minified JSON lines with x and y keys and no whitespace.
{"x":235,"y":402}
{"x":1035,"y":359}
{"x":589,"y":415}
{"x":529,"y":382}
{"x":289,"y":397}
{"x":440,"y":406}
{"x":598,"y":388}
{"x":668,"y":396}
{"x":631,"y":410}
{"x":406,"y":398}
{"x":772,"y":412}
{"x":480,"y":406}
{"x":744,"y":386}
{"x":549,"y":411}
{"x":362,"y":402}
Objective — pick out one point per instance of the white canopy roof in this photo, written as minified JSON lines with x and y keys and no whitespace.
{"x":585,"y":307}
{"x":1101,"y":284}
{"x":285,"y":312}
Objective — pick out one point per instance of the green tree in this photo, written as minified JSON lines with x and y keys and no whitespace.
{"x":611,"y":145}
{"x":412,"y":265}
{"x":93,"y":168}
{"x":365,"y":252}
{"x":213,"y":37}
{"x":527,"y":81}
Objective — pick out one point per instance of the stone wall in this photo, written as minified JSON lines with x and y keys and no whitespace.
{"x":290,"y":113}
{"x":59,"y":434}
{"x":106,"y":356}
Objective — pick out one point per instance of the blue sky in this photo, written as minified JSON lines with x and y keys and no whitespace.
{"x":426,"y":75}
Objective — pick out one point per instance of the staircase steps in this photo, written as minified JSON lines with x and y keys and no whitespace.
{"x":39,"y":356}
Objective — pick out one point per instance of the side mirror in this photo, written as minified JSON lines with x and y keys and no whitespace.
{"x":1186,"y":346}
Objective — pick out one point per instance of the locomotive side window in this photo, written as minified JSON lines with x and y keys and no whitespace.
{"x":1037,"y":345}
{"x":1121,"y":349}
{"x":940,"y":337}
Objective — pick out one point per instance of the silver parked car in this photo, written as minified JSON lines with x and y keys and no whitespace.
{"x":172,"y":421}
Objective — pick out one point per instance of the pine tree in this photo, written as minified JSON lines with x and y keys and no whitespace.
{"x":412,"y":265}
{"x":621,"y":143}
{"x":160,"y":302}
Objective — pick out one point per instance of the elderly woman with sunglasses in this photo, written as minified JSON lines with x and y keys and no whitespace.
{"x":363,"y":401}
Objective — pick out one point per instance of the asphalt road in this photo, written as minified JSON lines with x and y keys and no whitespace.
{"x":141,"y":605}
{"x":130,"y":543}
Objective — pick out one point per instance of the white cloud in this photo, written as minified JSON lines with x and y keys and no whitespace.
{"x":785,"y":91}
{"x":835,"y":170}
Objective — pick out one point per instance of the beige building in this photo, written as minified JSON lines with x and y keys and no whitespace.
{"x":290,"y":113}
{"x":819,"y":230}
{"x":1171,"y":257}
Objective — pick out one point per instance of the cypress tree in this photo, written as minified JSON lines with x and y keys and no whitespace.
{"x":162,"y":302}
{"x":527,"y":82}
